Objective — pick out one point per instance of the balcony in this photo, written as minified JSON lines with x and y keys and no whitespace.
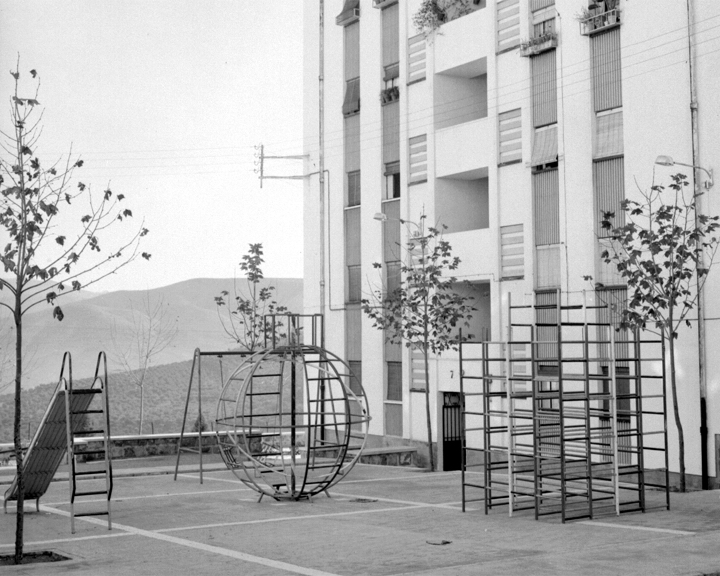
{"x":463,"y":45}
{"x":464,"y":151}
{"x":477,"y":250}
{"x":538,"y":44}
{"x":593,"y":23}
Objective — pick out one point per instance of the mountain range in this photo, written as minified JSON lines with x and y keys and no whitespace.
{"x":95,"y":322}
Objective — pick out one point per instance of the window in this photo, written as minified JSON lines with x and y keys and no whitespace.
{"x":391,"y":42}
{"x":391,"y":133}
{"x":416,"y":56}
{"x":352,"y":254}
{"x":510,"y":137}
{"x":394,"y":381}
{"x":546,"y":207}
{"x":355,"y":383}
{"x":391,"y":231}
{"x":543,"y":21}
{"x":351,"y":103}
{"x":508,"y":24}
{"x":607,"y":80}
{"x":353,"y":188}
{"x":609,"y":192}
{"x":512,"y":257}
{"x":393,"y":275}
{"x":392,"y":180}
{"x":417,"y":162}
{"x":544,"y":89}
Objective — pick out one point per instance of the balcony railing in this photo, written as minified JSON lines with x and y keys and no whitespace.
{"x":594,"y":23}
{"x":538,"y":44}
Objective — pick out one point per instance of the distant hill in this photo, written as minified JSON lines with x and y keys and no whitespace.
{"x":165,"y":393}
{"x":88,"y":323}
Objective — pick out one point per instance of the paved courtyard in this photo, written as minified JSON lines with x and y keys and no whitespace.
{"x":379,"y":521}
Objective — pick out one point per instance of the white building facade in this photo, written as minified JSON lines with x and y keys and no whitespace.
{"x":516,"y":146}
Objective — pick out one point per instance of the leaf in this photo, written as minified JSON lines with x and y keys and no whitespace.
{"x":76,"y":285}
{"x":81,"y":186}
{"x":127,"y":213}
{"x":15,"y":75}
{"x":79,"y":163}
{"x":60,"y":240}
{"x":85,"y":219}
{"x":146,"y":255}
{"x":120,"y":196}
{"x":107,"y":194}
{"x":58,"y":313}
{"x":25,"y":150}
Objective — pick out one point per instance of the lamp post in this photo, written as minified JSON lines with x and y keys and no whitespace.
{"x":663,"y":160}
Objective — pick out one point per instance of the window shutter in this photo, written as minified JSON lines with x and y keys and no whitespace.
{"x":417,"y":52}
{"x":545,"y":146}
{"x":508,"y":24}
{"x":609,"y":188}
{"x":391,"y":231}
{"x":417,"y":161}
{"x":510,"y":137}
{"x":355,"y":384}
{"x":393,"y":419}
{"x":546,"y":207}
{"x":607,"y":79}
{"x":354,"y":287}
{"x":547,"y":262}
{"x":352,"y":51}
{"x":353,"y":332}
{"x":544,"y":89}
{"x":392,"y":277}
{"x":390,"y":35}
{"x":394,"y":381}
{"x":609,"y":134}
{"x":352,"y":236}
{"x":540,"y":4}
{"x":512,"y":257}
{"x":352,"y":143}
{"x":391,"y":132}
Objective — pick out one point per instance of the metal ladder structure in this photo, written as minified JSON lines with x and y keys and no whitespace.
{"x":82,"y":419}
{"x":60,"y":432}
{"x":563,"y":417}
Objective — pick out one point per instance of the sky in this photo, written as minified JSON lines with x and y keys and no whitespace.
{"x":165,"y":101}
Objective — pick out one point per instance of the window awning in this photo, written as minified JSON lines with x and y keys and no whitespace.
{"x":545,"y":146}
{"x":351,"y":104}
{"x":350,"y":13}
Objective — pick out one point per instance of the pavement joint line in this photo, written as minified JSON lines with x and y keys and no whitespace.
{"x":287,"y":518}
{"x":405,"y":502}
{"x":644,"y":528}
{"x":68,"y":540}
{"x":123,"y":498}
{"x":243,"y":556}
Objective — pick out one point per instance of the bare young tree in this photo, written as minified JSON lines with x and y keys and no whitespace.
{"x":49,"y":229}
{"x":245,"y":314}
{"x":663,"y":248}
{"x":152,"y":331}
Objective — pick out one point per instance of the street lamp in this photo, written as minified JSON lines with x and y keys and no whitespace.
{"x":668,"y":161}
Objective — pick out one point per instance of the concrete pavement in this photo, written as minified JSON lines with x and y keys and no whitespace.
{"x":379,"y":521}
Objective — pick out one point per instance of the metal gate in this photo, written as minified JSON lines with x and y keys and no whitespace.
{"x":452,"y":431}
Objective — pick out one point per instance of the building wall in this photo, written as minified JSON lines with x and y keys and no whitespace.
{"x":468,"y":85}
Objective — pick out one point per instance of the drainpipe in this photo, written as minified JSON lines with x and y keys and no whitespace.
{"x":321,"y":149}
{"x":694,"y":127}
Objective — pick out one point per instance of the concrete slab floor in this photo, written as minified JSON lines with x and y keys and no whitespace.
{"x":379,"y":521}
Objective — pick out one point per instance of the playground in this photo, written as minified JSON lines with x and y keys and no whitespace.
{"x":379,"y":520}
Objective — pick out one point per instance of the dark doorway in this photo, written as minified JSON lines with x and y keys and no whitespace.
{"x":452,"y":431}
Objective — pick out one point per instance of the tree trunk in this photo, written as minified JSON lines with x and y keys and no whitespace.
{"x":19,"y":517}
{"x":427,"y":409}
{"x":142,"y":406}
{"x":676,"y":411}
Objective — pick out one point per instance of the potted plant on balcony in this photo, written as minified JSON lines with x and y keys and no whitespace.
{"x":429,"y":17}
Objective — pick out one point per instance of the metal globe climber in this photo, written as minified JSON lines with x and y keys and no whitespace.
{"x":287,"y":419}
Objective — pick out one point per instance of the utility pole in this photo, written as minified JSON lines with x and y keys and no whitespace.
{"x":321,"y":149}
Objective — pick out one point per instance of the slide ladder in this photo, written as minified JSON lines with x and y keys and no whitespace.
{"x":64,"y":420}
{"x":83,"y":417}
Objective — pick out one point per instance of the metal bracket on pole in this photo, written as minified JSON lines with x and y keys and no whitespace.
{"x":260,"y":158}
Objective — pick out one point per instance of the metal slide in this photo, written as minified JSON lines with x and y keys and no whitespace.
{"x":54,"y":438}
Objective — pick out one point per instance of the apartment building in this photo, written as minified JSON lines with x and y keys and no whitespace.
{"x":515,"y":125}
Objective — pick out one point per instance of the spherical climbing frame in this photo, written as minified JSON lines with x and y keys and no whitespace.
{"x":292,"y":421}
